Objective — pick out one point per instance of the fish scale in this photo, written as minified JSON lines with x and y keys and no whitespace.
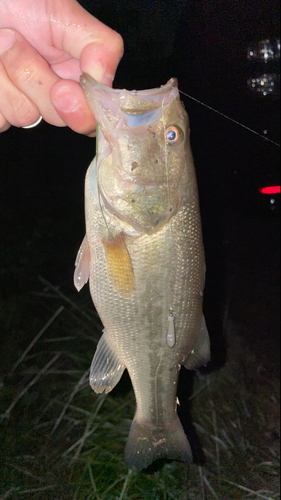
{"x":146,"y":272}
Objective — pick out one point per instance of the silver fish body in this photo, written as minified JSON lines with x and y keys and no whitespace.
{"x":143,"y":253}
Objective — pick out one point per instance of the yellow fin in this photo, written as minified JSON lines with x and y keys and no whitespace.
{"x":119,"y":264}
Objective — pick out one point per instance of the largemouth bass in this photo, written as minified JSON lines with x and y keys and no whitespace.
{"x":143,"y":254}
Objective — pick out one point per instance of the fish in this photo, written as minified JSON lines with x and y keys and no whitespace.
{"x":143,"y":255}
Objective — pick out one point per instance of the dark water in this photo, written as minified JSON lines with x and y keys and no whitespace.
{"x":42,"y":170}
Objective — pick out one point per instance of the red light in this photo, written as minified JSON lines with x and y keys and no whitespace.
{"x":270,"y":190}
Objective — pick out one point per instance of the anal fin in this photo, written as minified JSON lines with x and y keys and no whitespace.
{"x":200,"y":354}
{"x":106,"y":368}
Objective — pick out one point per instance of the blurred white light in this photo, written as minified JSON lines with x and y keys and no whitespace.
{"x":266,"y":84}
{"x":264,"y":50}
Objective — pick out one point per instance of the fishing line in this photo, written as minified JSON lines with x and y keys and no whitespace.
{"x":230,"y":119}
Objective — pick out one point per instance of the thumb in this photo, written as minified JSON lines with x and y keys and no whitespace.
{"x":97,"y":47}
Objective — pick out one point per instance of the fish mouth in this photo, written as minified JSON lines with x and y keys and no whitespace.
{"x":86,"y":80}
{"x":132,"y":102}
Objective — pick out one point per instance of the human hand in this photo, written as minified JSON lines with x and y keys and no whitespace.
{"x":45,"y":45}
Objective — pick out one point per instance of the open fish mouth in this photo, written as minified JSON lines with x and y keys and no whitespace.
{"x":132,"y":101}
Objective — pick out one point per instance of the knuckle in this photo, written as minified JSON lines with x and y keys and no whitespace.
{"x":24,"y":75}
{"x":25,"y":113}
{"x":29,"y":73}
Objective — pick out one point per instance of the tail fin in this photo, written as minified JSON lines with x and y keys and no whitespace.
{"x":145,"y":445}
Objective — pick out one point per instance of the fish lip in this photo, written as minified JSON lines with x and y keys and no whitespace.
{"x":85,"y":79}
{"x":130,"y":102}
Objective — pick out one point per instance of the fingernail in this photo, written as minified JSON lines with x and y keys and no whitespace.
{"x":97,"y":71}
{"x":7,"y":40}
{"x":66,"y":100}
{"x":108,"y":79}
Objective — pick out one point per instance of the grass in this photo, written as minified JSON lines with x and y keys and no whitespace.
{"x":60,"y":441}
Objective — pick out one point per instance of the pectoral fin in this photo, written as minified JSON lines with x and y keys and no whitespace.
{"x":106,"y":369}
{"x":82,"y":265}
{"x":119,"y":264}
{"x":200,"y":355}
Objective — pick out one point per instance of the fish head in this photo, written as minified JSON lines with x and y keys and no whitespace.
{"x":143,"y":146}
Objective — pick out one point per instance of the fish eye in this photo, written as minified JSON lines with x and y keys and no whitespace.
{"x":173,"y":135}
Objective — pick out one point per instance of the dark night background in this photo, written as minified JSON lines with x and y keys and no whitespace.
{"x":203,"y":44}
